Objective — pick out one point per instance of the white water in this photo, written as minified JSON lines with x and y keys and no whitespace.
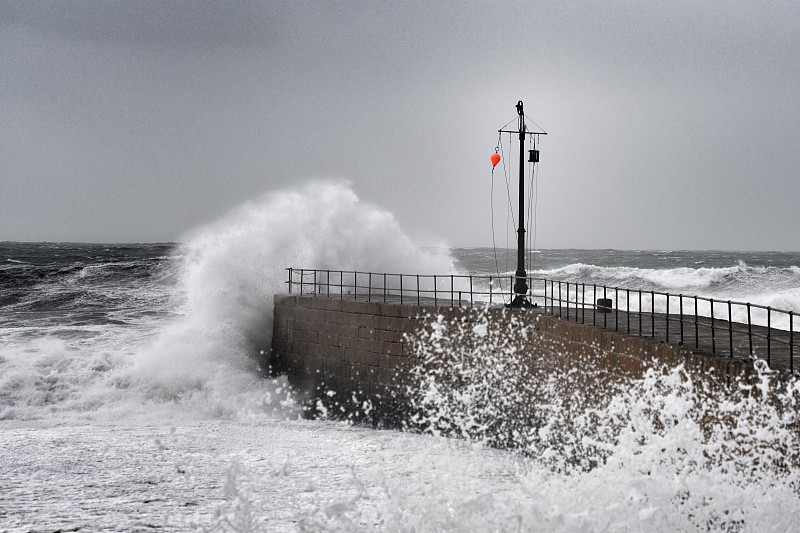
{"x":778,"y":287}
{"x":203,"y":357}
{"x":166,"y":423}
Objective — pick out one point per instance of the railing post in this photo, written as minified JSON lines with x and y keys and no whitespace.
{"x":290,"y":280}
{"x":680,"y":314}
{"x":730,"y":328}
{"x":302,"y":279}
{"x":491,"y":286}
{"x":713,"y":332}
{"x":560,"y":299}
{"x":435,"y":292}
{"x":531,"y":289}
{"x":316,"y":289}
{"x":666,"y":333}
{"x":544,"y":294}
{"x":417,"y":289}
{"x":369,"y":290}
{"x":696,"y":325}
{"x":616,"y":308}
{"x":640,"y":314}
{"x":401,"y":289}
{"x":568,"y":300}
{"x":355,"y":285}
{"x":653,"y":314}
{"x":451,"y":292}
{"x":769,"y":335}
{"x":341,"y":284}
{"x":384,"y":287}
{"x":749,"y":330}
{"x":594,"y":301}
{"x":628,"y":307}
{"x":605,"y":314}
{"x":791,"y":342}
{"x":583,"y":303}
{"x":471,"y":303}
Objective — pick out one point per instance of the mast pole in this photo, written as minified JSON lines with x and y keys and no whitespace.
{"x":521,"y":282}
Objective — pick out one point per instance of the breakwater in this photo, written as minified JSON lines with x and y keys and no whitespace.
{"x":344,"y":352}
{"x":735,"y":329}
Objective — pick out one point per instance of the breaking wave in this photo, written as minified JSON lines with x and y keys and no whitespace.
{"x":203,"y":318}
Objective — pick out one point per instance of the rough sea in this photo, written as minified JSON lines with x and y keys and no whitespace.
{"x":131,"y":397}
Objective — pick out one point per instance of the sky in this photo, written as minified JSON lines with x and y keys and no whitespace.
{"x":671,"y":125}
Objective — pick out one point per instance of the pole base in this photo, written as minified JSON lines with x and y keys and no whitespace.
{"x":520,"y":301}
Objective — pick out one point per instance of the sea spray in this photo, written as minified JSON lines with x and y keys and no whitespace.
{"x":685,"y":451}
{"x":494,"y":379}
{"x":599,"y":449}
{"x":183,"y":336}
{"x":232,"y":268}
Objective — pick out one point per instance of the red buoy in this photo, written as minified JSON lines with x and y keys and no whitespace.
{"x":495,"y":159}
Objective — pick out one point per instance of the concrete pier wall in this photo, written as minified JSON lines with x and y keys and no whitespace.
{"x":366,"y":349}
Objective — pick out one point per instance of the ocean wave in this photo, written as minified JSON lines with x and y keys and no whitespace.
{"x":734,"y":281}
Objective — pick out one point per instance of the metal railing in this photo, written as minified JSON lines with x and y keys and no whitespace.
{"x":453,"y":290}
{"x":724,"y":327}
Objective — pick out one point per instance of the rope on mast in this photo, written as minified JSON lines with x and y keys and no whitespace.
{"x":491,"y":202}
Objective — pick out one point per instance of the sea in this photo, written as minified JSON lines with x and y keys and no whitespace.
{"x":133,"y":397}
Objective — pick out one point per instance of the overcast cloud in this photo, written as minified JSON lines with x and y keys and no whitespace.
{"x":672,"y":125}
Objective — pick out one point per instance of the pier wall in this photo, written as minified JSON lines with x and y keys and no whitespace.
{"x":343,"y":348}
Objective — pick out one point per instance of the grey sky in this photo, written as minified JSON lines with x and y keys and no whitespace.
{"x":671,"y":124}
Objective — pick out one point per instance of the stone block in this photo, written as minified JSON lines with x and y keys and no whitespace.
{"x":300,"y":348}
{"x":363,"y":308}
{"x":366,"y":332}
{"x":315,"y":315}
{"x":303,"y":301}
{"x":384,"y":335}
{"x":333,"y":303}
{"x":307,"y":336}
{"x":349,"y":331}
{"x":368,"y":359}
{"x":348,"y":306}
{"x":393,"y":348}
{"x":389,"y":310}
{"x":367,"y":345}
